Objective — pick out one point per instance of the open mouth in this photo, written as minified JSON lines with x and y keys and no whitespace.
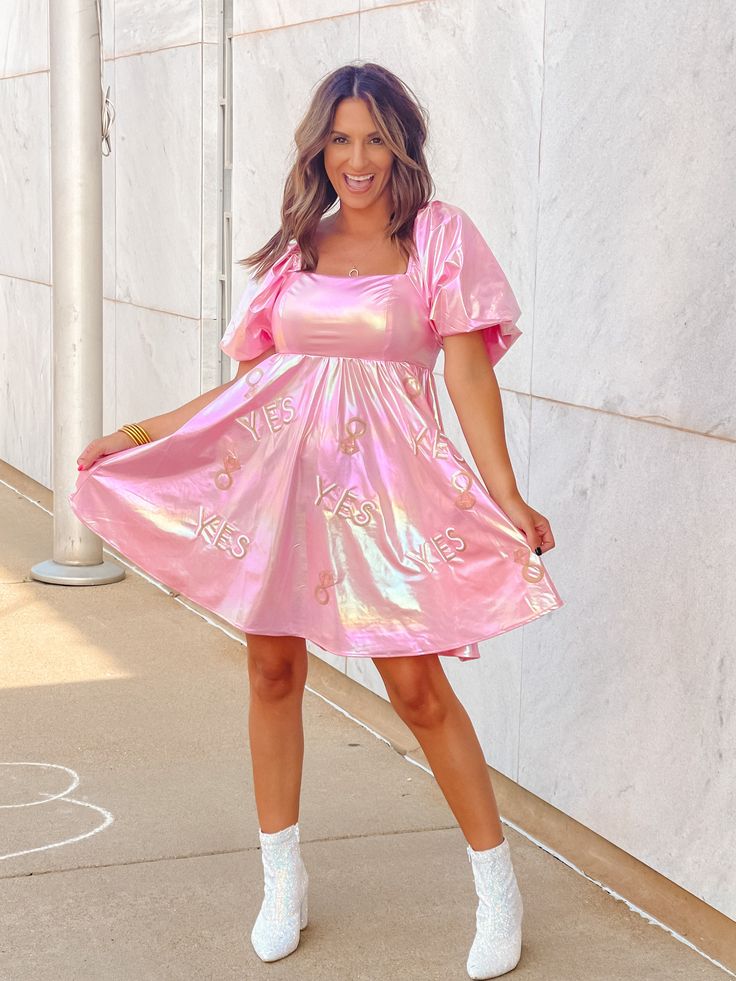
{"x":359,"y":184}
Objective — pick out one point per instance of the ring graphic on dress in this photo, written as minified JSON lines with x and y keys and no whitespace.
{"x":532,"y":573}
{"x":223,"y":478}
{"x":412,"y":386}
{"x":354,"y":428}
{"x":253,"y":377}
{"x":326,"y":579}
{"x":463,"y":481}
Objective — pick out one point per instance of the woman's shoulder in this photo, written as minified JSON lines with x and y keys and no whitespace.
{"x":288,"y":260}
{"x":437,"y":213}
{"x":441,"y":228}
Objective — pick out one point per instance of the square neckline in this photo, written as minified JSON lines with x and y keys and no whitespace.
{"x":402,"y":275}
{"x":352,"y":279}
{"x":406,"y":273}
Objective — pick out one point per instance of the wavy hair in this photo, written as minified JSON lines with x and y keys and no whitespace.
{"x":308,"y":194}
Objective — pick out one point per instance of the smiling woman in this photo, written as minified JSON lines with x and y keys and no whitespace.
{"x":358,"y":161}
{"x":361,"y":162}
{"x":318,"y":496}
{"x":360,"y":144}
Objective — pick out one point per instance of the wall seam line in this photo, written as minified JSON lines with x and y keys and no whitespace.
{"x":531,"y":361}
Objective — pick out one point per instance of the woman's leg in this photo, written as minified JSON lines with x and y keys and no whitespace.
{"x":423,"y":697}
{"x":277,"y":671}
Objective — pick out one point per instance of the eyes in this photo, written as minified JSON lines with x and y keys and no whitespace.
{"x":336,"y":139}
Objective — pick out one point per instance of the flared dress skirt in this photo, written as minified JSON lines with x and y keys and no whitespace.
{"x":318,"y":495}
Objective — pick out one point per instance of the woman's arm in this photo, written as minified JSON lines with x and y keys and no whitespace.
{"x":473,"y":387}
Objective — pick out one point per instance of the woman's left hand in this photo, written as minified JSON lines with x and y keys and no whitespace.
{"x":534,"y":525}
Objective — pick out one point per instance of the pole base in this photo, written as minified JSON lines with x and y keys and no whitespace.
{"x":77,"y":575}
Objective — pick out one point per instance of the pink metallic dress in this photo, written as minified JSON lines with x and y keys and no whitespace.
{"x":318,"y":495}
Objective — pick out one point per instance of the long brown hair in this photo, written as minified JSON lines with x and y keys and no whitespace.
{"x":402,"y":124}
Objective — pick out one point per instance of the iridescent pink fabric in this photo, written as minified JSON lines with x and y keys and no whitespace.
{"x":319,"y":496}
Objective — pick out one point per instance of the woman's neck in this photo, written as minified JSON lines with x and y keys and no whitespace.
{"x":362,"y":223}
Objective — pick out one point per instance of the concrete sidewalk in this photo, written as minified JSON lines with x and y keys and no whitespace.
{"x":132,"y":833}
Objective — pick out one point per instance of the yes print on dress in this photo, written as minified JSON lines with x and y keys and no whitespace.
{"x":218,"y":532}
{"x":274,"y":415}
{"x":348,"y":505}
{"x":440,"y":446}
{"x":444,"y":546}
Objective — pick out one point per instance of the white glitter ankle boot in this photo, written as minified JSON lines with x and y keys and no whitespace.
{"x":496,"y":949}
{"x":283,"y":913}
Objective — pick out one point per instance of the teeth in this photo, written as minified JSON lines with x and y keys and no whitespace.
{"x":366,"y":177}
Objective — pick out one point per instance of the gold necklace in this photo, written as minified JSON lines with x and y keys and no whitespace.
{"x":353,"y":271}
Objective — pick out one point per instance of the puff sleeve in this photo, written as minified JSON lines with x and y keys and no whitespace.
{"x":249,"y":332}
{"x":467,"y":287}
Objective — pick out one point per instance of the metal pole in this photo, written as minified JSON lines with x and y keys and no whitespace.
{"x":225,"y":174}
{"x":76,"y":212}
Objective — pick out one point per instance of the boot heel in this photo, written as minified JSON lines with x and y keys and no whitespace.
{"x":303,"y":913}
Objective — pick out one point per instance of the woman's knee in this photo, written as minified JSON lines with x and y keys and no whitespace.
{"x":417,"y":688}
{"x":277,"y":666}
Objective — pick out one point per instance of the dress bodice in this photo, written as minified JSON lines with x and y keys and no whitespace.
{"x":382,"y":317}
{"x":451,"y":286}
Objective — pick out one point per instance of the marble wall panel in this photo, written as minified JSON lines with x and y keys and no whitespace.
{"x":156,"y":362}
{"x":24,"y":30}
{"x":627,"y":694}
{"x":263,"y":15}
{"x":636,"y":288}
{"x":159,"y":180}
{"x":211,"y":199}
{"x":143,"y":26}
{"x":25,"y":376}
{"x":25,"y":187}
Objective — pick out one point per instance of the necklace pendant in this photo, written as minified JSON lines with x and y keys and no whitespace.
{"x":353,"y":272}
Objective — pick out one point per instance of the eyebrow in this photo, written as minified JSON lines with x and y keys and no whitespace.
{"x":336,"y":132}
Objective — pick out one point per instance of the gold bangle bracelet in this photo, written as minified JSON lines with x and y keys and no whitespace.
{"x":137,"y":433}
{"x":130,"y":434}
{"x":141,"y":432}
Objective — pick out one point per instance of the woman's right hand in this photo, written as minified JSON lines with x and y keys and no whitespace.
{"x":104,"y":446}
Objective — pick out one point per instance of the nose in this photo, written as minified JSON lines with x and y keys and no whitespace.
{"x":358,"y":157}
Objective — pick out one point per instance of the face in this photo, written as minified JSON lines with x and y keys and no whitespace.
{"x":354,"y":149}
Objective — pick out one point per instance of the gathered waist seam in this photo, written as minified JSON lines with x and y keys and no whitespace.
{"x":343,"y":357}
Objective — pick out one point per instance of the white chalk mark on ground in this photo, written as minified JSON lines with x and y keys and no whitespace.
{"x":48,"y":799}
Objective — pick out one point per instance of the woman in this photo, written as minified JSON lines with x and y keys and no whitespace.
{"x":316,"y":496}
